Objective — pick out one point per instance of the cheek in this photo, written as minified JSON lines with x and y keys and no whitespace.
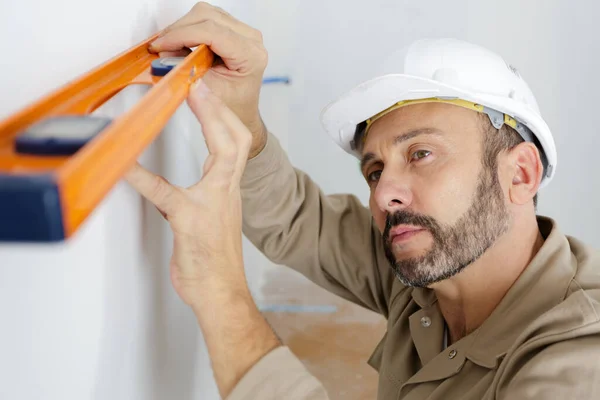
{"x":445,"y":195}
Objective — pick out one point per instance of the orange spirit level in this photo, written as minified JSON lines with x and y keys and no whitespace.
{"x":57,"y":161}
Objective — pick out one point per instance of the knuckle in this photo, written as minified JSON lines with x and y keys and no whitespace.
{"x":210,"y":10}
{"x":201,"y":6}
{"x":220,"y":11}
{"x":262,"y":55}
{"x":258,"y":35}
{"x":160,"y":188}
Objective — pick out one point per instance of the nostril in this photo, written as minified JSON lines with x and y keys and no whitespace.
{"x":395,"y":202}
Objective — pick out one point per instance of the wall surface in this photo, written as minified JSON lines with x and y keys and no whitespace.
{"x":96,"y":317}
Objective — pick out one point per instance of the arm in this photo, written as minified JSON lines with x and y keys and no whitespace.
{"x":248,"y":360}
{"x":328,"y":238}
{"x":207,"y":264}
{"x":207,"y":268}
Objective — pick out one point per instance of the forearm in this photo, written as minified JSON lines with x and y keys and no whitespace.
{"x":236,"y":334}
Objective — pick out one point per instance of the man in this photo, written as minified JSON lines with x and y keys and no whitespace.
{"x":484,"y":300}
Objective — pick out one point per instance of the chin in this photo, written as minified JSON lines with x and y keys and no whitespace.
{"x":405,"y":254}
{"x":412,"y":249}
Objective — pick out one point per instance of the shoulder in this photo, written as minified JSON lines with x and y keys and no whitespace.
{"x":583,"y":294}
{"x":557,"y":355}
{"x":587,"y":260}
{"x":566,"y":367}
{"x":576,"y":312}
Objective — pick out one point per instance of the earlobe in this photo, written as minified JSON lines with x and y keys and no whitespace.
{"x":527,"y":170}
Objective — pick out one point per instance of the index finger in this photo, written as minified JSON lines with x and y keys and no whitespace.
{"x":236,"y":51}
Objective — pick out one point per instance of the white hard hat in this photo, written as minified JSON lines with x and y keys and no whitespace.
{"x":444,"y":70}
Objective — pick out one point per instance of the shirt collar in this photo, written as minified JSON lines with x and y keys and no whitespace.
{"x":542,"y":285}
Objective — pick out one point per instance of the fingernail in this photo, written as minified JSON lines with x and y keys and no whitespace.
{"x":154,"y":46}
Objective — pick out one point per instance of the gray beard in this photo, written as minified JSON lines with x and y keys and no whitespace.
{"x":454,"y":246}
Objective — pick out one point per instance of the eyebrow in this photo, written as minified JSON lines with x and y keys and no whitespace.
{"x":368,"y":157}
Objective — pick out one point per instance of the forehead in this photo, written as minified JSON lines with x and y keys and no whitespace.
{"x":454,"y":123}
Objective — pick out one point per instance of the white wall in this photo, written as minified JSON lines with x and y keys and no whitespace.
{"x":330,"y":46}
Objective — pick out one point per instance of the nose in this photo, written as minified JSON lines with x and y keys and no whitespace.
{"x":392,"y":193}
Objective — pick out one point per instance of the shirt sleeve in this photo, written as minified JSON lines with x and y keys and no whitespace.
{"x":330,"y":239}
{"x":279,"y":375}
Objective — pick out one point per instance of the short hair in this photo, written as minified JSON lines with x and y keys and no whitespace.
{"x":494,"y":142}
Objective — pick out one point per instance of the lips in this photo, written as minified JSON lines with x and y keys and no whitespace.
{"x":403,"y":231}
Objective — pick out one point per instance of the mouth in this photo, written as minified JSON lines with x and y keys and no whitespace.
{"x":403,"y":233}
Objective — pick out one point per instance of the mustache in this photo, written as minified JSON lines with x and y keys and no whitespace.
{"x":404,"y":217}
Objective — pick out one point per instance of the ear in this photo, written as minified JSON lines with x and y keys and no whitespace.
{"x":527,"y":170}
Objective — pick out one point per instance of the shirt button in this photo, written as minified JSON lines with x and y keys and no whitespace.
{"x":452,"y":354}
{"x":426,"y":322}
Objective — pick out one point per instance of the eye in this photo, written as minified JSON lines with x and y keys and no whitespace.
{"x":374,"y":176}
{"x":420,"y":154}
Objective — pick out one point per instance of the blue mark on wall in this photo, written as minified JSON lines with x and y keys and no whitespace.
{"x":276,"y":79}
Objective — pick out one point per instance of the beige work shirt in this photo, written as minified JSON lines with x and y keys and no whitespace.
{"x":541,"y":342}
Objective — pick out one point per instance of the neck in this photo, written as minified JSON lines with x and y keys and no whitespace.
{"x":467,"y":299}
